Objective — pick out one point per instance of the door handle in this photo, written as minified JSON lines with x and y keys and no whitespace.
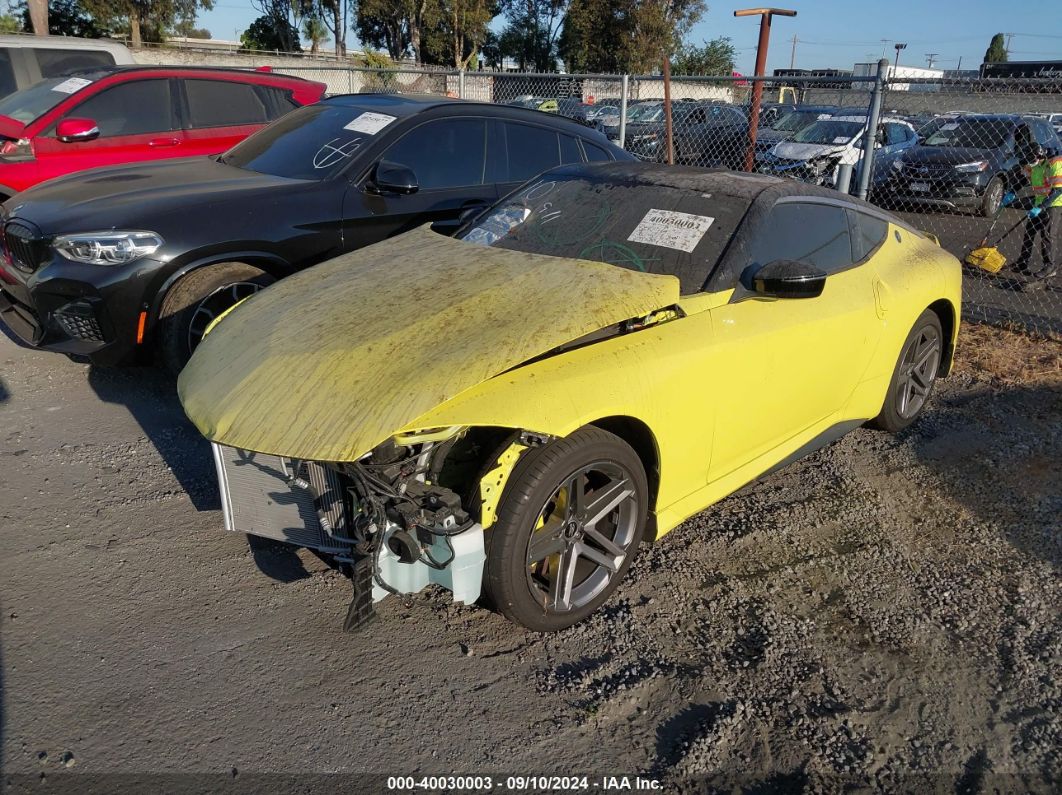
{"x":164,"y":142}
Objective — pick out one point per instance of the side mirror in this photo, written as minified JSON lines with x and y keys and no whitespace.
{"x":72,"y":131}
{"x":393,"y":178}
{"x":785,"y":278}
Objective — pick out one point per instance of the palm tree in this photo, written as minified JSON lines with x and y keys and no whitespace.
{"x":315,"y":32}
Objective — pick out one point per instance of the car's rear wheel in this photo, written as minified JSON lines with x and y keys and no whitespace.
{"x":916,"y":373}
{"x":992,"y":197}
{"x":196,"y":300}
{"x":567,"y":528}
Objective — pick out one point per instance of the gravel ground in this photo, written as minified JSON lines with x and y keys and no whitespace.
{"x":883,"y":614}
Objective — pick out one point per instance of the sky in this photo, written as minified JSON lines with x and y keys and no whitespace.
{"x":838,"y":33}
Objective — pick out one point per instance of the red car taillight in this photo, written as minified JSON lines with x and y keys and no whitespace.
{"x":16,"y":151}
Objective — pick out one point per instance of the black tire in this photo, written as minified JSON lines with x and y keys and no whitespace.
{"x":196,"y":297}
{"x":992,"y":198}
{"x":916,"y":369}
{"x":520,"y":590}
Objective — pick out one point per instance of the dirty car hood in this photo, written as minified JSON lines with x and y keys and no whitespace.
{"x":332,"y":361}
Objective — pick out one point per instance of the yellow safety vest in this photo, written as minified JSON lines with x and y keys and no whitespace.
{"x":1045,"y":177}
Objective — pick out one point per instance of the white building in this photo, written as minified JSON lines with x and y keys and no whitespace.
{"x":900,"y":72}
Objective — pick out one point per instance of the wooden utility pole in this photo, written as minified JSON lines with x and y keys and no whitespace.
{"x":792,"y":53}
{"x":668,"y":130}
{"x":765,"y":15}
{"x":38,"y":12}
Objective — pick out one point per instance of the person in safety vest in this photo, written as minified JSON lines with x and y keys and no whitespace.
{"x":1045,"y":217}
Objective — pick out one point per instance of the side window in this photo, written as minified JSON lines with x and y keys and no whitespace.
{"x":56,"y":63}
{"x":223,"y":103}
{"x":7,"y":73}
{"x":449,"y":153}
{"x":868,"y":232}
{"x":278,"y":101}
{"x":594,"y":153}
{"x":570,"y":150}
{"x":1043,"y":133}
{"x":134,"y":108}
{"x":813,"y":233}
{"x":532,"y":150}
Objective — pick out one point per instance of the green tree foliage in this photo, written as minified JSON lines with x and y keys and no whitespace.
{"x":142,"y":20}
{"x":315,"y":32}
{"x":9,"y":23}
{"x":997,"y":50}
{"x":337,"y":16}
{"x":532,"y":34}
{"x":459,"y":29}
{"x":268,"y":33}
{"x":431,"y":31}
{"x":715,"y":57}
{"x":625,"y":35}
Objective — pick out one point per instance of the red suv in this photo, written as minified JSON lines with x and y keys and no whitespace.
{"x":122,"y":114}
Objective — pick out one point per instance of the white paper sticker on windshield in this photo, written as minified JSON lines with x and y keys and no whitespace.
{"x":71,"y":84}
{"x":841,"y":139}
{"x":824,"y":116}
{"x":671,"y":229}
{"x":952,"y":126}
{"x":370,"y":123}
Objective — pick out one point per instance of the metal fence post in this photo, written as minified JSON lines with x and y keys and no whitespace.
{"x":623,"y":111}
{"x":870,"y":137}
{"x":350,"y":81}
{"x":461,"y":83}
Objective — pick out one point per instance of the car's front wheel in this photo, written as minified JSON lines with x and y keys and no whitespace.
{"x":914,"y":376}
{"x":196,"y":300}
{"x":992,"y":198}
{"x":568,"y":526}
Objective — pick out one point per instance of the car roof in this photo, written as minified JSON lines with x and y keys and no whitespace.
{"x":99,"y":72}
{"x":404,"y":106}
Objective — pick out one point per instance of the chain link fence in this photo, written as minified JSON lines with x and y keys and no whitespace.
{"x":943,"y":156}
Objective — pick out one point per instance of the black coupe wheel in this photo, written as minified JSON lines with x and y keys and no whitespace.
{"x":915,"y":374}
{"x":568,"y":526}
{"x":196,"y":301}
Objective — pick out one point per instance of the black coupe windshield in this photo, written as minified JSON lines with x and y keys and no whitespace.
{"x":313,"y":142}
{"x":632,"y":224}
{"x":971,"y":133}
{"x":33,"y":102}
{"x":829,"y":131}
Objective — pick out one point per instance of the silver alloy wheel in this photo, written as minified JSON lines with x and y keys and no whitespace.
{"x":995,"y":196}
{"x":918,"y":371}
{"x":214,"y":304}
{"x":583,"y":536}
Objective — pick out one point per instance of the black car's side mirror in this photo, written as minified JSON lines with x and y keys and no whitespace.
{"x":391,"y":177}
{"x":786,"y":278}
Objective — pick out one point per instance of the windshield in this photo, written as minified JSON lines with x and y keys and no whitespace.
{"x":645,"y":113}
{"x":313,"y":142}
{"x":971,"y":133}
{"x":829,"y":131}
{"x":636,"y":225}
{"x":797,"y":120}
{"x":33,"y":102}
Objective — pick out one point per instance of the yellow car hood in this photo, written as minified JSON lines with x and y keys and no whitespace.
{"x":334,"y":360}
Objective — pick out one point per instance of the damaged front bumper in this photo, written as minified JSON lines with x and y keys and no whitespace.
{"x":316,"y":505}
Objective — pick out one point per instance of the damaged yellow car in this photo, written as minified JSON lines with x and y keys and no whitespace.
{"x":603,"y":353}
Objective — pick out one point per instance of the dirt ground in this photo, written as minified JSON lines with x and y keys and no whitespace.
{"x":882,"y":614}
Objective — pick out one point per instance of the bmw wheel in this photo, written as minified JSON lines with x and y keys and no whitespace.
{"x":196,"y":300}
{"x":916,"y":373}
{"x":568,"y":526}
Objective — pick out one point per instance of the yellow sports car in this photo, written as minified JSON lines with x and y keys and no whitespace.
{"x":605,"y":352}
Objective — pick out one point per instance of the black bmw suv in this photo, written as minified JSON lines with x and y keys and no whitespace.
{"x":970,"y":161}
{"x":111,"y":263}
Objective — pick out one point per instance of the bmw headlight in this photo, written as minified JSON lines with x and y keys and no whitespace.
{"x":972,"y":168}
{"x":107,"y":248}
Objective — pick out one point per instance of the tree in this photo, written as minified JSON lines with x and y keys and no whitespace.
{"x":9,"y":23}
{"x":397,"y":26}
{"x":715,"y":57}
{"x":458,"y":29}
{"x":997,"y":50}
{"x":143,"y":20}
{"x":531,"y":37}
{"x":70,"y":18}
{"x":337,"y":16}
{"x":286,"y":17}
{"x":625,"y":35}
{"x":267,"y":33}
{"x":315,"y":32}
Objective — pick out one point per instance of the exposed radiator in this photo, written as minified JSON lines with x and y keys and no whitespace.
{"x":257,"y":498}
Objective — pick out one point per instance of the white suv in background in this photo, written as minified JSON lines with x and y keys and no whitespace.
{"x":25,"y":60}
